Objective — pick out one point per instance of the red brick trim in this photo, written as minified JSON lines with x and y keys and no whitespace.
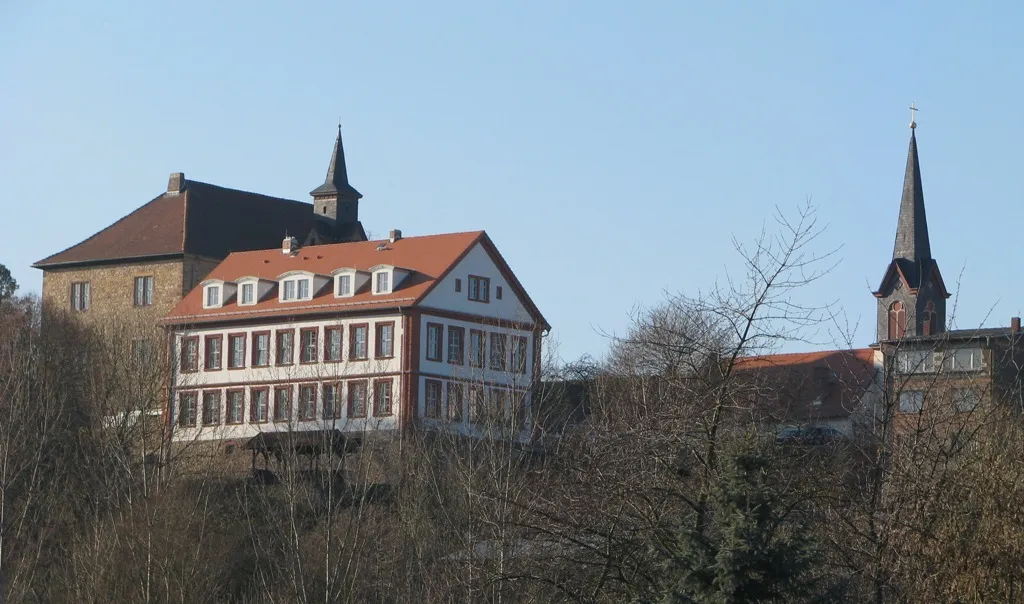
{"x":296,"y":380}
{"x":477,"y":319}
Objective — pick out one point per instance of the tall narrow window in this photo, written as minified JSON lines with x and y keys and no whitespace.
{"x":455,"y":337}
{"x":358,"y":346}
{"x":381,"y":284}
{"x":477,"y":348}
{"x":476,"y":403}
{"x":80,"y":295}
{"x":213,"y":352}
{"x":307,"y":402}
{"x":344,"y":285}
{"x":455,"y":402}
{"x":187,"y":409}
{"x":332,"y":401}
{"x":190,"y":354}
{"x":382,"y":397}
{"x":259,"y":401}
{"x":282,"y":403}
{"x":432,"y":400}
{"x":308,"y":345}
{"x":248,"y":293}
{"x":519,"y":354}
{"x":498,"y":354}
{"x":289,"y":290}
{"x":285,"y":347}
{"x":929,"y":323}
{"x":332,"y":343}
{"x":357,"y":398}
{"x":303,"y":289}
{"x":143,"y":291}
{"x":236,"y":351}
{"x":213,"y":296}
{"x":385,"y":340}
{"x":236,"y":406}
{"x":261,"y":349}
{"x":434,"y":331}
{"x":211,"y":408}
{"x":897,"y":321}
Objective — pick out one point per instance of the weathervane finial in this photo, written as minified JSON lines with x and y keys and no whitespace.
{"x":913,"y":114}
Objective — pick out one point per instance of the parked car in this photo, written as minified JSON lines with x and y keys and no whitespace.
{"x":808,"y":435}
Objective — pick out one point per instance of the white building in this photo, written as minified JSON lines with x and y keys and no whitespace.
{"x":433,"y":331}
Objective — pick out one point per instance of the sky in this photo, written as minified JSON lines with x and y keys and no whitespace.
{"x":612,"y":150}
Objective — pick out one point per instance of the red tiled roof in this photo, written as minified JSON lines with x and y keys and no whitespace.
{"x":428,"y":258}
{"x":204,"y":219}
{"x":837,"y":379}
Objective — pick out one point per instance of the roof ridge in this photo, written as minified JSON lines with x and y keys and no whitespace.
{"x":253,"y":193}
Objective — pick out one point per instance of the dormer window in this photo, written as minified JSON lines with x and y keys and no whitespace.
{"x":381,"y":283}
{"x":289,"y":290}
{"x":212,"y":296}
{"x":344,"y":285}
{"x":299,"y":285}
{"x":303,"y":289}
{"x":386,"y":278}
{"x":248,"y":293}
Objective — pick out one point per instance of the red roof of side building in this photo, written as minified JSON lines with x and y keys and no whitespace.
{"x":809,"y":385}
{"x":427,"y":258}
{"x":203,"y":219}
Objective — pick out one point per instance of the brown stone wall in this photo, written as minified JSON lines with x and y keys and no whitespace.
{"x":112,"y":290}
{"x":194,"y":270}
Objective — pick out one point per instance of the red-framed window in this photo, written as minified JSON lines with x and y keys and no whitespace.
{"x":357,"y":398}
{"x":456,"y":401}
{"x":259,"y":405}
{"x":214,"y":352}
{"x":236,"y":350}
{"x":435,"y":334}
{"x":307,"y":402}
{"x":479,"y":289}
{"x":385,"y":344}
{"x":499,"y":348}
{"x":332,"y":400}
{"x":187,"y":402}
{"x":359,"y":343}
{"x":285,"y":352}
{"x":282,"y":403}
{"x":519,"y":344}
{"x":190,"y":354}
{"x":432,"y":399}
{"x":477,"y":348}
{"x":333,"y":343}
{"x":456,"y":341}
{"x":235,"y":405}
{"x":260,"y":348}
{"x":211,"y":407}
{"x":382,"y":399}
{"x":307,"y":345}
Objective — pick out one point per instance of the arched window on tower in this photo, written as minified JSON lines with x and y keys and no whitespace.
{"x":897,"y":321}
{"x":929,"y":324}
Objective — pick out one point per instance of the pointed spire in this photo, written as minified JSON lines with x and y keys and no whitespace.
{"x":912,"y":227}
{"x":336,"y":182}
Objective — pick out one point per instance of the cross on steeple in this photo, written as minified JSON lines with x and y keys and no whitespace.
{"x":913,"y":114}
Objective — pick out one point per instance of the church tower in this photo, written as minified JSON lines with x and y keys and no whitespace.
{"x":336,"y":203}
{"x":912,"y":296}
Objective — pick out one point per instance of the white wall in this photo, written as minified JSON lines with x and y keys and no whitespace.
{"x":477,"y":262}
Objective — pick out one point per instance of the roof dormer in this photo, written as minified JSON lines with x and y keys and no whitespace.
{"x":386,"y":278}
{"x":216,"y":292}
{"x":252,"y":290}
{"x":295,"y":286}
{"x":348,"y":281}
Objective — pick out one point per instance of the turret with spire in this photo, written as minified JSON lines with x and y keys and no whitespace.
{"x":336,"y":203}
{"x":912,"y":296}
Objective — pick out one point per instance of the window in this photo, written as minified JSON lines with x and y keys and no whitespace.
{"x":455,"y":337}
{"x":143,"y":291}
{"x":332,"y":401}
{"x":479,"y":289}
{"x":261,"y":349}
{"x":190,"y":354}
{"x":477,"y":349}
{"x":285,"y":346}
{"x":259,"y":404}
{"x":455,"y":400}
{"x":344,"y":285}
{"x":282,"y":403}
{"x":497,"y":404}
{"x":236,"y":351}
{"x":307,"y":340}
{"x":303,"y":289}
{"x":142,"y":352}
{"x":911,"y":401}
{"x":380,"y":283}
{"x":519,"y":354}
{"x":332,"y":344}
{"x":964,"y":359}
{"x":929,"y":325}
{"x":307,"y":402}
{"x":385,"y":340}
{"x":458,"y":285}
{"x":289,"y":290}
{"x":357,"y":346}
{"x":187,"y":409}
{"x":915,"y":361}
{"x":965,"y":399}
{"x":212,"y":296}
{"x":382,"y":397}
{"x":248,"y":293}
{"x":357,"y":399}
{"x":476,"y":402}
{"x":80,"y":295}
{"x":519,"y":410}
{"x":213,"y":353}
{"x":211,"y":408}
{"x":236,"y":406}
{"x":498,"y":356}
{"x":434,"y":331}
{"x":497,"y":292}
{"x":432,"y":402}
{"x":897,"y":321}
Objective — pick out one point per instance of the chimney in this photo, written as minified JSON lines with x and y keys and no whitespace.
{"x":290,"y":246}
{"x":1015,"y":324}
{"x":395,"y":235}
{"x":176,"y":183}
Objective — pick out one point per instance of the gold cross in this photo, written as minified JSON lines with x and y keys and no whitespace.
{"x":913,"y":112}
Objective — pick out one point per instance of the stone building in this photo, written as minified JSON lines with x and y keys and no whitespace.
{"x":140,"y":267}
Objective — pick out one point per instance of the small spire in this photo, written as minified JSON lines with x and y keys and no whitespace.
{"x":336,"y":182}
{"x":912,"y":227}
{"x":913,"y":114}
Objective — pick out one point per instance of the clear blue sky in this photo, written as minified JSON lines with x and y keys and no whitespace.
{"x":611,"y":149}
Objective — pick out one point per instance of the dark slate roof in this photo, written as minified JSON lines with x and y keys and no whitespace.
{"x":966,"y":334}
{"x":336,"y":182}
{"x":204,"y":219}
{"x":912,"y":227}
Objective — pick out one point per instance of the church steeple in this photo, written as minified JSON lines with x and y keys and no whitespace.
{"x":336,"y":203}
{"x":912,"y":295}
